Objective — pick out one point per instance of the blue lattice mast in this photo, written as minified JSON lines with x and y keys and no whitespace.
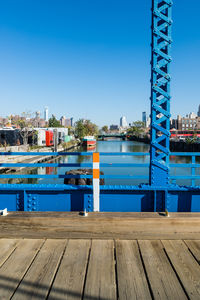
{"x":160,"y":92}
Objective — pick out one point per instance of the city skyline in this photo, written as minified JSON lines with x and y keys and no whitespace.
{"x":79,"y":59}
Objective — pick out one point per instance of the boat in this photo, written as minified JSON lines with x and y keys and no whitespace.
{"x":89,"y":142}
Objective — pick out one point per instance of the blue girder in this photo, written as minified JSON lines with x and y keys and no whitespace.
{"x":160,"y":92}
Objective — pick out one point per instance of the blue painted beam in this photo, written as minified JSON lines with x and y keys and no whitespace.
{"x":160,"y":92}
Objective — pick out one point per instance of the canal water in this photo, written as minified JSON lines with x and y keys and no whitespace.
{"x":106,"y":146}
{"x":111,"y":146}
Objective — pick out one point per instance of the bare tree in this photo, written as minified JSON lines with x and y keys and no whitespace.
{"x":26,"y":127}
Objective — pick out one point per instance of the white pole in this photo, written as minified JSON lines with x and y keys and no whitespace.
{"x":96,"y":175}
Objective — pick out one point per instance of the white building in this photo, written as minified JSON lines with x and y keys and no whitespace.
{"x":123,"y":122}
{"x":62,"y":135}
{"x":148,"y":122}
{"x":192,"y":115}
{"x":46,"y":114}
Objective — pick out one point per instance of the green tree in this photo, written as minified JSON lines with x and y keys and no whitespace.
{"x":136,"y":129}
{"x":53,"y":122}
{"x":84,"y":128}
{"x":105,"y":128}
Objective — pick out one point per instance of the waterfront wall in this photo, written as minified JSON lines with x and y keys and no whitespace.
{"x":175,"y":146}
{"x":21,"y":148}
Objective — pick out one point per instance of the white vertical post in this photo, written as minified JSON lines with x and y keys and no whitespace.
{"x":96,"y":175}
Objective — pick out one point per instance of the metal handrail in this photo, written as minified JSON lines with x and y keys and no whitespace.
{"x":192,"y":165}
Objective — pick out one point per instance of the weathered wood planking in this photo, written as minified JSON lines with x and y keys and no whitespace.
{"x":162,"y":278}
{"x":69,"y":281}
{"x":38,"y":279}
{"x":132,"y":282}
{"x":13,"y":270}
{"x":7,"y":246}
{"x":100,"y":280}
{"x":186,"y":267}
{"x":194,"y":247}
{"x":147,"y":226}
{"x":99,"y":269}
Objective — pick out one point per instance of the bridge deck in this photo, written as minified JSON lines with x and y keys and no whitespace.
{"x":99,"y":269}
{"x":63,"y":261}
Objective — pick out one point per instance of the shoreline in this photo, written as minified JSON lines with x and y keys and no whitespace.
{"x":38,"y":159}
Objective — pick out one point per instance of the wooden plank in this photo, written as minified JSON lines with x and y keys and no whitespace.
{"x":162,"y":278}
{"x":70,"y":277}
{"x":37,"y":281}
{"x":100,"y":226}
{"x":186,"y":267}
{"x":194,"y":247}
{"x":7,"y":246}
{"x":16,"y":266}
{"x":75,"y":214}
{"x":100,"y":280}
{"x":132,"y":282}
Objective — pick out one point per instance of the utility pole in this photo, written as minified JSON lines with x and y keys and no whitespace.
{"x":55,"y":140}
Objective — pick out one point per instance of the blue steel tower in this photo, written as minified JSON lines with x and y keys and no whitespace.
{"x":160,"y":92}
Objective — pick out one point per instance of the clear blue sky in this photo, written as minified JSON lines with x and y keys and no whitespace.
{"x":91,"y":58}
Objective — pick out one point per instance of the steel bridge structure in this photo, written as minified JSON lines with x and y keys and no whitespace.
{"x":161,"y":191}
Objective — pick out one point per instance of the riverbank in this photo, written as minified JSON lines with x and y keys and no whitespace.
{"x":32,"y":159}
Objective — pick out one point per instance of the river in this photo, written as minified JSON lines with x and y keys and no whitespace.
{"x":112,"y":146}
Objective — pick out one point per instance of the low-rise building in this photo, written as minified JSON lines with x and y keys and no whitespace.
{"x":190,"y":122}
{"x":114,"y":127}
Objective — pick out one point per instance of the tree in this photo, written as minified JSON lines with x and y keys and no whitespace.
{"x":53,"y":122}
{"x":25,"y":129}
{"x":136,"y":129}
{"x":84,"y":128}
{"x":105,"y":128}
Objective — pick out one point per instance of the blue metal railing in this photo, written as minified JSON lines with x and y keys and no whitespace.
{"x":192,"y":165}
{"x":57,"y":196}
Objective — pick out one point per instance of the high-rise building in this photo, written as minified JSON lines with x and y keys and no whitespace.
{"x":123,"y":122}
{"x":69,"y":122}
{"x":46,"y":114}
{"x":37,"y":114}
{"x":144,"y":117}
{"x":148,"y":122}
{"x":62,"y":120}
{"x":198,"y":113}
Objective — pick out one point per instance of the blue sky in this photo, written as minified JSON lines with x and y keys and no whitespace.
{"x":91,"y":58}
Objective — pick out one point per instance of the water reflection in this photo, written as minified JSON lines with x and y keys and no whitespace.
{"x":109,"y":146}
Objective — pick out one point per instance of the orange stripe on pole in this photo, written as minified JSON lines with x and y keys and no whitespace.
{"x":96,"y":157}
{"x":95,"y":173}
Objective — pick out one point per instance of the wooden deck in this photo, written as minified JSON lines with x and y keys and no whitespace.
{"x":160,"y":267}
{"x":99,"y":269}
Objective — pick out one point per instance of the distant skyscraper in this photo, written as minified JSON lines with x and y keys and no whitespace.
{"x":123,"y":122}
{"x":46,"y":114}
{"x":69,"y":122}
{"x":144,"y":117}
{"x":37,"y":115}
{"x":62,"y":120}
{"x":198,"y":113}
